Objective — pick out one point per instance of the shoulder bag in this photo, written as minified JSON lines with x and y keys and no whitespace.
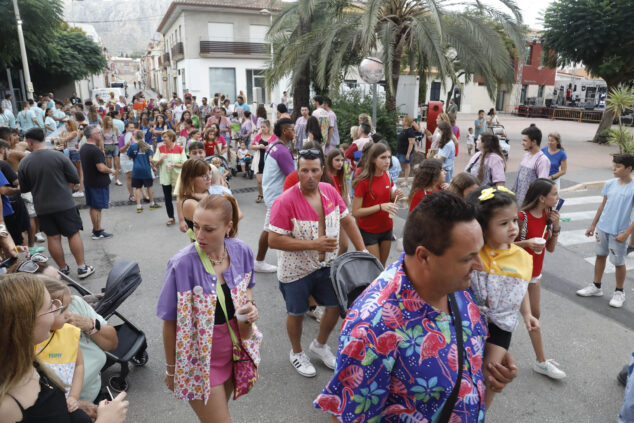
{"x":449,"y":405}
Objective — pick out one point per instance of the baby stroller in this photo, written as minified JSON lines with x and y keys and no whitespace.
{"x":248,"y":172}
{"x":225,"y":164}
{"x":123,"y":280}
{"x":350,"y":274}
{"x":505,"y":145}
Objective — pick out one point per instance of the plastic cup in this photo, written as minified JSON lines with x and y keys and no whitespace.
{"x":391,"y":215}
{"x":541,"y":242}
{"x":331,"y":232}
{"x":242,"y":317}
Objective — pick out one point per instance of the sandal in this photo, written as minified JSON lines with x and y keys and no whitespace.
{"x":170,"y":222}
{"x":259,"y":199}
{"x":132,"y":198}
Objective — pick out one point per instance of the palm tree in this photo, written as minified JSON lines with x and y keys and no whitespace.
{"x":341,"y":29}
{"x":620,"y":99}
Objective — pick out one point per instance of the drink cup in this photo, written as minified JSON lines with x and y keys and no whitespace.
{"x":541,"y":242}
{"x":391,"y":215}
{"x":331,"y":231}
{"x":241,"y":317}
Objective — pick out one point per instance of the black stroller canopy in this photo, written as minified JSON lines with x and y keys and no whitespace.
{"x":123,"y":280}
{"x":350,"y":274}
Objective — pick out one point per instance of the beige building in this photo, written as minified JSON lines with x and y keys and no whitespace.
{"x":217,"y":46}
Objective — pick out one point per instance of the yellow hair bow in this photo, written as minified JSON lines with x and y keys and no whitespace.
{"x":489,"y":193}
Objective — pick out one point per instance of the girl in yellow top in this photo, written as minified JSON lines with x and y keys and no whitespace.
{"x":500,"y":288}
{"x":60,"y":351}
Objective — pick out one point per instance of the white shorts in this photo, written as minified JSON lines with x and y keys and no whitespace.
{"x":267,"y":219}
{"x":535,"y":279}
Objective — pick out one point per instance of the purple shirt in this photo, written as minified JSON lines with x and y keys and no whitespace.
{"x":275,"y":171}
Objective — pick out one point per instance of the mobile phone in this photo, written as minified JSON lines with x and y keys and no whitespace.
{"x":560,"y":203}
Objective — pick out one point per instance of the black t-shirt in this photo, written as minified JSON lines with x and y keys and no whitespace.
{"x":8,"y":172}
{"x":403,"y":140}
{"x":90,"y":155}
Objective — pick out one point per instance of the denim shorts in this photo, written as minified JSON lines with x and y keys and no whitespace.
{"x":608,"y":246}
{"x":111,"y":150}
{"x":316,"y":284}
{"x":74,"y":156}
{"x":401,"y":158}
{"x":97,"y":198}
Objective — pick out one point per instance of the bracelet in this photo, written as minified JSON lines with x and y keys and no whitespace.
{"x":556,"y":232}
{"x":169,"y":374}
{"x":252,"y":302}
{"x":170,"y":365}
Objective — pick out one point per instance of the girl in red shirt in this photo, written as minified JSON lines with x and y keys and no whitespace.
{"x":429,"y":178}
{"x":538,"y":220}
{"x":335,"y":162}
{"x":374,"y":201}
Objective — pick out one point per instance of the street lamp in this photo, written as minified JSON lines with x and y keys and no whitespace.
{"x":371,"y":71}
{"x":25,"y":61}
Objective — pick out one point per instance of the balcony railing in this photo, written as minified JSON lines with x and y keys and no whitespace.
{"x":178,"y":51}
{"x":166,"y":59}
{"x":233,"y":47}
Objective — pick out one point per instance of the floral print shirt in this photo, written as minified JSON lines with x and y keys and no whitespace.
{"x":189,"y":297}
{"x":398,"y":359}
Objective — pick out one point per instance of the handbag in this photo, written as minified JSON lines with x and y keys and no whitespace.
{"x":447,"y":408}
{"x":244,"y":371}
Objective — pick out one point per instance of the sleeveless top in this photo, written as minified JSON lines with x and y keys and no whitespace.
{"x":50,"y":405}
{"x":110,"y":137}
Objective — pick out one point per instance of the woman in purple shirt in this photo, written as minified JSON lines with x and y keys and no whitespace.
{"x":196,"y":338}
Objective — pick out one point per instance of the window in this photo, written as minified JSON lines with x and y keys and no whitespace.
{"x":183,"y":81}
{"x":180,"y":34}
{"x":255,"y":79}
{"x":529,"y":54}
{"x":223,"y":80}
{"x":523,"y":94}
{"x":220,"y":32}
{"x":540,"y":92}
{"x":257,"y":33}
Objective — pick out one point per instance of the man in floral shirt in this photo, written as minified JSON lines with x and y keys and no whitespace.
{"x":398,"y":350}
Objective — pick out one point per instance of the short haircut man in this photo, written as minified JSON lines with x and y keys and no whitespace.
{"x":280,"y":125}
{"x":533,"y":133}
{"x":365,"y":129}
{"x":318,"y":99}
{"x":34,"y":134}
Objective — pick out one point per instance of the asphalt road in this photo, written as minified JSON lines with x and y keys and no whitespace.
{"x":590,"y":340}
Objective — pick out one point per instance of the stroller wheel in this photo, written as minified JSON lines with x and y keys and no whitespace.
{"x":140,"y":359}
{"x":118,"y":383}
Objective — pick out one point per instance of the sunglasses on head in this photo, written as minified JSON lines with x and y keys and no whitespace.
{"x":311,"y":152}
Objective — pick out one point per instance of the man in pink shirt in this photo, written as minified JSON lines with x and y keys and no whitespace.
{"x":535,"y":164}
{"x":304,"y":226}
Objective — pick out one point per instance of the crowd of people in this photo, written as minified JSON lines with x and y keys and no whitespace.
{"x":429,"y":338}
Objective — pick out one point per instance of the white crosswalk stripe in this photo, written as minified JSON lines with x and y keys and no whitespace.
{"x":578,"y":236}
{"x":574,"y":237}
{"x":582,"y":201}
{"x":581,"y":215}
{"x":609,"y":267}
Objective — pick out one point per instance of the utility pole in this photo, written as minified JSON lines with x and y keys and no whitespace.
{"x":25,"y":61}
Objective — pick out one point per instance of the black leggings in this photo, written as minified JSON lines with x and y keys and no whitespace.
{"x":169,"y":207}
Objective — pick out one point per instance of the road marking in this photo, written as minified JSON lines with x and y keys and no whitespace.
{"x":582,"y":201}
{"x":574,"y":237}
{"x":581,"y":215}
{"x":609,"y":267}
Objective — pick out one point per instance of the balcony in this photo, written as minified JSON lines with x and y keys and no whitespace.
{"x":178,"y":51}
{"x":238,"y":48}
{"x":166,"y":59}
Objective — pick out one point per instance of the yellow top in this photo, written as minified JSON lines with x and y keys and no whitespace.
{"x":514,"y":262}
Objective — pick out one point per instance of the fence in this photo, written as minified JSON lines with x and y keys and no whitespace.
{"x":578,"y":115}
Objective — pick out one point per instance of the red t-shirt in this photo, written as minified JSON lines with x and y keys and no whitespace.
{"x":379,"y":193}
{"x":336,"y":183}
{"x":418,"y":197}
{"x":210,"y":147}
{"x":535,"y":229}
{"x":291,"y":180}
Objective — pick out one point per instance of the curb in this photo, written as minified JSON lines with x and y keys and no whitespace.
{"x":584,"y":186}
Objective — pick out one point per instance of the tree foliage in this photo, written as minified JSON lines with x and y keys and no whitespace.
{"x":57,"y":53}
{"x":344,"y":31}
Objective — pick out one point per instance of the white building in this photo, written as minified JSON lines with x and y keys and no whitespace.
{"x":217,"y":46}
{"x":84,"y":87}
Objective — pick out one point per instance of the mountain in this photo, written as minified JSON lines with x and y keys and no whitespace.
{"x":125,"y":26}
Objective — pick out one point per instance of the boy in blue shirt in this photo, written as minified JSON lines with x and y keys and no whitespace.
{"x":613,"y":225}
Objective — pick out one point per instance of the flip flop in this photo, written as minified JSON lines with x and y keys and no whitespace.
{"x":259,"y":199}
{"x":170,"y":222}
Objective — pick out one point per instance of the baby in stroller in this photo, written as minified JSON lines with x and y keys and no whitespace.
{"x":244,"y":160}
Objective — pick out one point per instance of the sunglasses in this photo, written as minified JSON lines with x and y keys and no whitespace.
{"x":311,"y":152}
{"x":31,"y":265}
{"x":56,"y":305}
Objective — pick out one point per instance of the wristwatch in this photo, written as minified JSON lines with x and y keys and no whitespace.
{"x":96,"y":327}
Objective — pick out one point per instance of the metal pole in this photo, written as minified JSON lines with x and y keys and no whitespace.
{"x":374,"y":104}
{"x":25,"y":62}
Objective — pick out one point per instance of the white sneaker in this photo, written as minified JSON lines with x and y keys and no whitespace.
{"x":316,"y":313}
{"x":324,"y":353}
{"x":399,"y":245}
{"x":264,"y":267}
{"x":78,"y":194}
{"x":549,"y":368}
{"x":39,"y":237}
{"x":590,"y":291}
{"x":302,"y":364}
{"x":618,"y":298}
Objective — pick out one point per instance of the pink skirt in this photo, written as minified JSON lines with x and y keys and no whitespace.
{"x":221,"y":364}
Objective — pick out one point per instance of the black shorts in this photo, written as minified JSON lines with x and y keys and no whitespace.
{"x":140,"y":183}
{"x":19,"y":221}
{"x":65,"y":222}
{"x":371,"y":239}
{"x":499,"y":337}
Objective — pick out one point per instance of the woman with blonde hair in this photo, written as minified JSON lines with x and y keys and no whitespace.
{"x":29,"y":391}
{"x":68,"y":142}
{"x":214,"y":275}
{"x":365,"y":118}
{"x":111,"y":145}
{"x":435,"y":137}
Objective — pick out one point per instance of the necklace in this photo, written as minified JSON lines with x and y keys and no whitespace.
{"x":216,"y":262}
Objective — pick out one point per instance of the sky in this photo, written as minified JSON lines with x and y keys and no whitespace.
{"x":532,"y":10}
